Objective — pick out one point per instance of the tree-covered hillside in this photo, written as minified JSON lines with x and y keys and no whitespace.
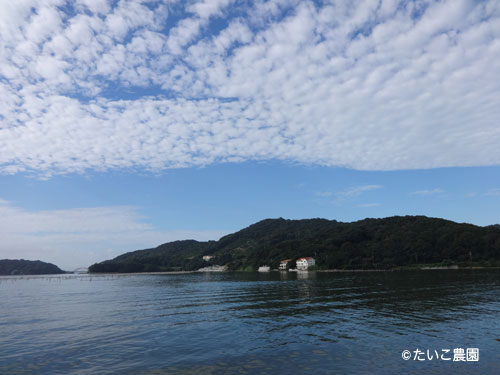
{"x":171,"y":256}
{"x":27,"y":267}
{"x":367,"y":244}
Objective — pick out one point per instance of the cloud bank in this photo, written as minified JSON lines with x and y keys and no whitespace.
{"x":79,"y":237}
{"x":370,"y":85}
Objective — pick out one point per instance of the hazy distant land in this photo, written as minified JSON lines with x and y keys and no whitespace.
{"x":28,"y":267}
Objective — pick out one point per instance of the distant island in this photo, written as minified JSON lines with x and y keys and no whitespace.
{"x":27,"y":267}
{"x":390,"y":243}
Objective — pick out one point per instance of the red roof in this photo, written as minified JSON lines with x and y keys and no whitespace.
{"x":305,"y":258}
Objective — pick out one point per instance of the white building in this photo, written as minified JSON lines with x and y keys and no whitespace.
{"x":284,"y":264}
{"x":264,"y":269}
{"x":206,"y":258}
{"x":305,"y":263}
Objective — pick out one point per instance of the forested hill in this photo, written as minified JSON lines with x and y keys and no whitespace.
{"x":367,"y":244}
{"x":27,"y":267}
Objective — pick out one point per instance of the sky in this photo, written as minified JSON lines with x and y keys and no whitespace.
{"x":125,"y":124}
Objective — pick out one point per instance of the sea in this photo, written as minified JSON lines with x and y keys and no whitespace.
{"x":399,"y":322}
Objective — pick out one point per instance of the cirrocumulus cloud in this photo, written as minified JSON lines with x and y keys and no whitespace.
{"x":370,"y":85}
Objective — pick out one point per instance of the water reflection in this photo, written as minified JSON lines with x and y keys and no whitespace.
{"x":306,"y":275}
{"x":225,"y":323}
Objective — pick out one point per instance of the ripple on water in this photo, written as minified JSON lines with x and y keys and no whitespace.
{"x":245,"y":323}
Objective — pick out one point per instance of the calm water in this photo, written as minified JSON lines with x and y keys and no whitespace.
{"x":238,"y":323}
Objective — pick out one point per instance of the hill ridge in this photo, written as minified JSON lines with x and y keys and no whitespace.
{"x":28,"y":267}
{"x":387,"y":243}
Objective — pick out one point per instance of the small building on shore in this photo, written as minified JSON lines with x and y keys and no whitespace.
{"x":264,"y":269}
{"x":304,"y":263}
{"x":206,"y":258}
{"x":284,"y":264}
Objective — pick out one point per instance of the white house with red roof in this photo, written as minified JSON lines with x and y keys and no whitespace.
{"x":305,"y":263}
{"x":284,"y":264}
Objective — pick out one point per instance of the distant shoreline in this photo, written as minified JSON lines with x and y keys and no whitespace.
{"x":323,"y":271}
{"x":103,"y":274}
{"x":69,"y":274}
{"x":413,"y":269}
{"x":140,"y":273}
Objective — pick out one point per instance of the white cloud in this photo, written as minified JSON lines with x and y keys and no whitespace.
{"x":428,"y":192}
{"x":361,"y":84}
{"x":206,"y":9}
{"x":493,"y":193}
{"x":324,"y":194}
{"x":357,"y":191}
{"x":78,"y":237}
{"x":367,"y":205}
{"x":96,"y":6}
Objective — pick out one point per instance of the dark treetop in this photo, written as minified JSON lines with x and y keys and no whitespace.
{"x":393,"y":242}
{"x":27,"y":267}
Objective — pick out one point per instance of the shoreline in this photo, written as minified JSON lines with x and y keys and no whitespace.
{"x":323,"y":271}
{"x":99,"y":274}
{"x":354,"y":270}
{"x":438,"y":268}
{"x":139,"y":273}
{"x":68,"y":275}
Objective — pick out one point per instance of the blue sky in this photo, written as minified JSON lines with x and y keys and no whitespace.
{"x":79,"y":218}
{"x":125,"y":124}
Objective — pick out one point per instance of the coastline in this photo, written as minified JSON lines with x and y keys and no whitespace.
{"x":107,"y":274}
{"x":356,"y":270}
{"x":323,"y":271}
{"x":439,"y":268}
{"x":139,"y":273}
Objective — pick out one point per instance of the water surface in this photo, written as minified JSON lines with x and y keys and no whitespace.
{"x":249,"y":323}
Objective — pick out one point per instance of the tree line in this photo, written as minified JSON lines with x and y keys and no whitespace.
{"x":393,"y":242}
